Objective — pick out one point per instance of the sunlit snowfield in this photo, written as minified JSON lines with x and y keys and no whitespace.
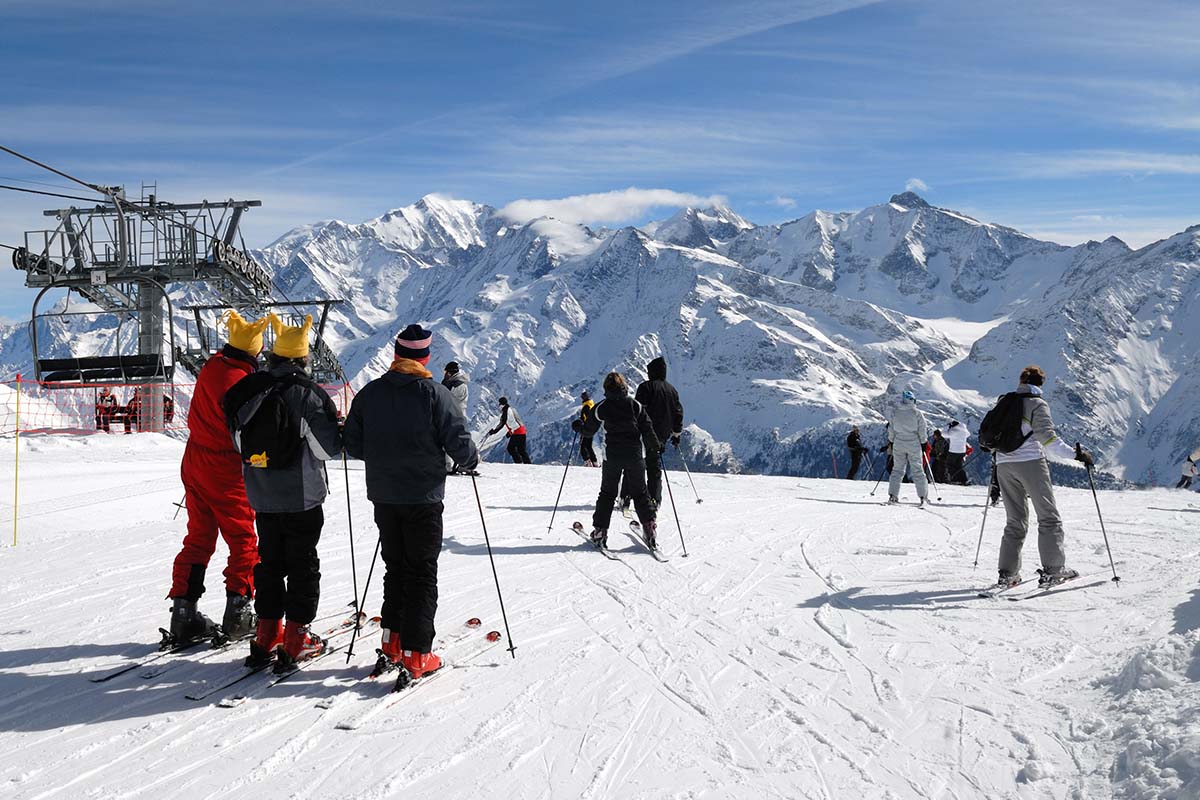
{"x":814,"y":644}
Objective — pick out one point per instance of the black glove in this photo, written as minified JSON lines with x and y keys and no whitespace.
{"x":507,"y":434}
{"x":577,"y":425}
{"x":674,"y":441}
{"x":492,"y":432}
{"x":1084,"y":457}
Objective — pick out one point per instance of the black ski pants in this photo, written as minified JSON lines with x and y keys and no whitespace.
{"x":410,"y":538}
{"x":634,"y":473}
{"x":1184,"y":483}
{"x":516,"y":449}
{"x":586,"y":451}
{"x":855,"y":462}
{"x":954,"y":466}
{"x":287,"y":578}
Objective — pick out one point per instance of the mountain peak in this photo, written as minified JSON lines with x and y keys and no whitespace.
{"x":909,"y":200}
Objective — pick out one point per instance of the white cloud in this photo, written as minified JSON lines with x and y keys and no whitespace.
{"x":622,"y":205}
{"x":783,"y":202}
{"x":1107,"y":162}
{"x":916,"y":185}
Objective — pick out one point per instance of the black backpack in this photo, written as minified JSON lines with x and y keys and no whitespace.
{"x":1000,"y":430}
{"x":270,"y":439}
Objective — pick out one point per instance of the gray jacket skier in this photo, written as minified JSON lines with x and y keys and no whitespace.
{"x":907,"y":433}
{"x":1024,"y":473}
{"x":456,"y":381}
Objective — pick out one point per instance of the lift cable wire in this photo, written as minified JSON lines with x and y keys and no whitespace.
{"x":48,"y":194}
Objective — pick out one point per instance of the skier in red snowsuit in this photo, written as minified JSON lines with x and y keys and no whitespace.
{"x":215,"y":495}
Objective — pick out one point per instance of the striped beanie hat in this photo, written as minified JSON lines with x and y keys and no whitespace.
{"x":413,"y":342}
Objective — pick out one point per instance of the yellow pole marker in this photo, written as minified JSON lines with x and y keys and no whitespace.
{"x":17,"y":460}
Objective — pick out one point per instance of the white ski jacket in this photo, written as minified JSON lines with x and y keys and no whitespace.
{"x":957,"y":437}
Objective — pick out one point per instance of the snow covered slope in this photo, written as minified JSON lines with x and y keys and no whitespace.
{"x":814,"y":644}
{"x":779,"y":336}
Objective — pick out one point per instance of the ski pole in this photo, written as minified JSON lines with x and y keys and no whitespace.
{"x":689,"y":474}
{"x":179,"y":506}
{"x":882,"y":469}
{"x":671,"y":496}
{"x":870,"y":466}
{"x":359,"y":604}
{"x":1096,"y":497}
{"x":570,"y":457}
{"x":350,"y":523}
{"x":925,"y":458}
{"x":987,"y":502}
{"x":512,"y":648}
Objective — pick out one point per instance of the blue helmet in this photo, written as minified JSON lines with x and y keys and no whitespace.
{"x":908,"y":396}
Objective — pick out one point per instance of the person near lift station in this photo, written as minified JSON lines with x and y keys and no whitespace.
{"x":106,"y":409}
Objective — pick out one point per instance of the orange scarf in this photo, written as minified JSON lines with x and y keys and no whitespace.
{"x":406,"y":366}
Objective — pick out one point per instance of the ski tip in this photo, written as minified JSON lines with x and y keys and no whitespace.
{"x":346,"y":725}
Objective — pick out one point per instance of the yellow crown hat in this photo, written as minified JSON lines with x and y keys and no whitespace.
{"x":291,"y":342}
{"x":245,"y":336}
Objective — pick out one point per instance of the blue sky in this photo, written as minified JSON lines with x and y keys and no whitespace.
{"x":1071,"y":122}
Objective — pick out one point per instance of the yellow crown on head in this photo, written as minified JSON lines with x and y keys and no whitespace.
{"x":243,"y":335}
{"x":291,"y":342}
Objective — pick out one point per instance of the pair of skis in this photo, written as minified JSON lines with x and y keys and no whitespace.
{"x":239,"y":673}
{"x":160,"y":662}
{"x":459,"y":651}
{"x":635,"y":527}
{"x":1005,"y":589}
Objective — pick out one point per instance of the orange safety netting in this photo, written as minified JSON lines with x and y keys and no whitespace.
{"x":76,"y":409}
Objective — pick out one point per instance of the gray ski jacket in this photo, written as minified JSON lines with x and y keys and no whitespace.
{"x":301,"y":485}
{"x":907,"y":429}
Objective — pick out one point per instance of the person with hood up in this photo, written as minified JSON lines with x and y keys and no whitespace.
{"x":215,"y":495}
{"x":661,"y":401}
{"x":403,"y":425}
{"x":454,"y":379}
{"x":628,"y":438}
{"x":1024,"y":473}
{"x":907,"y":432}
{"x":586,"y":451}
{"x":957,"y":435}
{"x":285,"y":482}
{"x":511,"y":420}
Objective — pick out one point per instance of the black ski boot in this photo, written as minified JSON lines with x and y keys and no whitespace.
{"x":238,"y":621}
{"x":650,"y":534}
{"x":600,"y":538}
{"x":1048,"y":578}
{"x":188,"y":625}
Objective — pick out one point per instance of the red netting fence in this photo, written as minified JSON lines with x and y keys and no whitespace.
{"x":78,"y":409}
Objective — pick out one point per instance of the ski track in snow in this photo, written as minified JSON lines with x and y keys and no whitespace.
{"x":804,"y":649}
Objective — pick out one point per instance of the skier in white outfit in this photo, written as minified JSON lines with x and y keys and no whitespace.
{"x":907,"y":433}
{"x":957,"y":435}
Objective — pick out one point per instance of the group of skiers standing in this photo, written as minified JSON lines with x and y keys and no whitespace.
{"x":1020,"y":433}
{"x":254,"y":457}
{"x":636,"y":432}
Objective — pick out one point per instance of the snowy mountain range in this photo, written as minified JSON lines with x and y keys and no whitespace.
{"x":778,"y":336}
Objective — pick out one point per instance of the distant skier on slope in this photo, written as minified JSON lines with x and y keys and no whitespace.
{"x":454,"y":379}
{"x":1021,"y":431}
{"x":661,"y":401}
{"x":939,"y":449}
{"x":586,"y":451}
{"x":957,"y":435}
{"x":1189,"y":474}
{"x":511,"y":420}
{"x":907,"y":432}
{"x":215,"y":494}
{"x":627,"y":430}
{"x":285,"y":425}
{"x":403,"y":425}
{"x":855,"y":446}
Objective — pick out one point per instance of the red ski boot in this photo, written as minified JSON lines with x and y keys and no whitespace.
{"x":299,"y":644}
{"x":416,"y":666}
{"x":268,"y":635}
{"x":389,"y":653}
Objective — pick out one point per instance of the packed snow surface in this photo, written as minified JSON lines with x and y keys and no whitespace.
{"x":814,"y":644}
